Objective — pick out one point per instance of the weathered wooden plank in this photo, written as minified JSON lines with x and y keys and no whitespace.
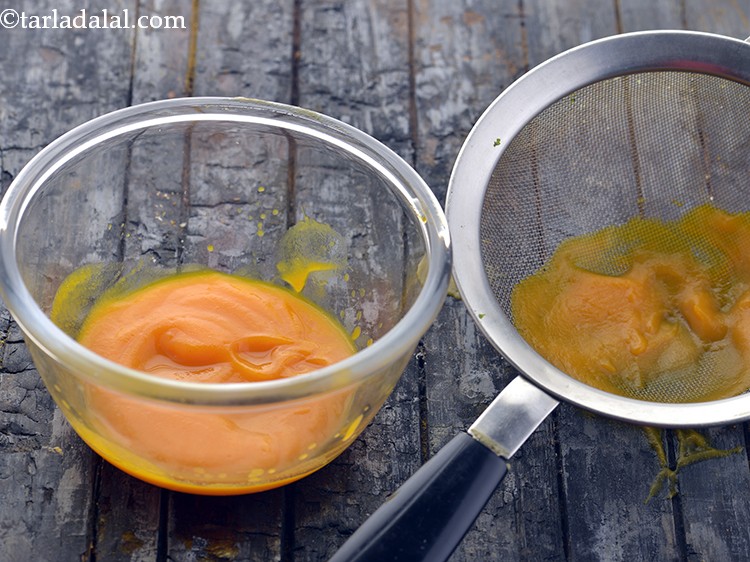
{"x":725,"y":17}
{"x":712,"y":495}
{"x":243,"y":49}
{"x":537,"y":50}
{"x":643,"y":16}
{"x":718,"y":535}
{"x":608,"y":469}
{"x":225,"y":528}
{"x":603,"y":518}
{"x":553,"y":27}
{"x":712,"y":500}
{"x":354,"y":66}
{"x":53,"y":79}
{"x":590,"y":540}
{"x":465,"y":54}
{"x":46,"y":473}
{"x":161,"y":59}
{"x":522,"y":521}
{"x":129,"y":511}
{"x":128,"y":517}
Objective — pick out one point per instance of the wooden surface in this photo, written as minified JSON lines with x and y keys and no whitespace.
{"x":415,"y":74}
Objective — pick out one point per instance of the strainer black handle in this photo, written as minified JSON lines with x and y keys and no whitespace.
{"x":430,"y":513}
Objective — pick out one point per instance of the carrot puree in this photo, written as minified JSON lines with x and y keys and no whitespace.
{"x":209,"y":327}
{"x":653,"y":310}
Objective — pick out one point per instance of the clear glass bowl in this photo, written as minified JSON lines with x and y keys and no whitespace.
{"x":218,"y":183}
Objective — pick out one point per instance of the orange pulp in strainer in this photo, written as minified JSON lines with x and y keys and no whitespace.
{"x":653,"y":310}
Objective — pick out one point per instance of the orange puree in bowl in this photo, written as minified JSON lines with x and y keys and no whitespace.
{"x":209,"y":327}
{"x":652,"y":310}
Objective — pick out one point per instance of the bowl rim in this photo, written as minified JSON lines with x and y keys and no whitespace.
{"x":399,"y":341}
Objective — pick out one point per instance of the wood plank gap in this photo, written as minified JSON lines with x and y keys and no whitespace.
{"x":184,"y":197}
{"x":677,"y":511}
{"x":524,"y":37}
{"x":6,"y":178}
{"x":533,"y":128}
{"x":133,"y":59}
{"x":683,"y":14}
{"x":189,"y":88}
{"x":294,"y":94}
{"x":618,"y":17}
{"x":746,"y":434}
{"x":424,"y":427}
{"x":294,"y":99}
{"x":412,"y":66}
{"x":288,"y":516}
{"x":126,"y":178}
{"x":421,"y":351}
{"x":121,"y":243}
{"x":564,"y":519}
{"x":162,"y":535}
{"x":93,"y":530}
{"x":538,"y":199}
{"x":705,"y":152}
{"x":288,"y":524}
{"x":291,"y":181}
{"x":192,"y":48}
{"x":632,"y":141}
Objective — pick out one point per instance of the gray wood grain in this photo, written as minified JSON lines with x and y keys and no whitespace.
{"x":465,"y":53}
{"x":721,"y":480}
{"x":597,"y":478}
{"x":354,"y":66}
{"x":243,"y":49}
{"x":463,"y":62}
{"x":129,"y":511}
{"x":52,"y":81}
{"x":416,"y":74}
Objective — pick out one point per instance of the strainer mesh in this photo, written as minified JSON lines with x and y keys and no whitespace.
{"x":649,"y":145}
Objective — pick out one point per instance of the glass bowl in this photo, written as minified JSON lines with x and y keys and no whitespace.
{"x":239,"y":186}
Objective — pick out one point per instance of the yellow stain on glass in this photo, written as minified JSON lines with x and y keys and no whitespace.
{"x":351,"y":428}
{"x":309,"y":247}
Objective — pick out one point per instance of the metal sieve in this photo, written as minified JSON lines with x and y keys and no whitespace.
{"x":639,"y":125}
{"x":648,"y":124}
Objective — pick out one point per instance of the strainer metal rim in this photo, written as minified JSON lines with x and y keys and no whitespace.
{"x":557,"y":77}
